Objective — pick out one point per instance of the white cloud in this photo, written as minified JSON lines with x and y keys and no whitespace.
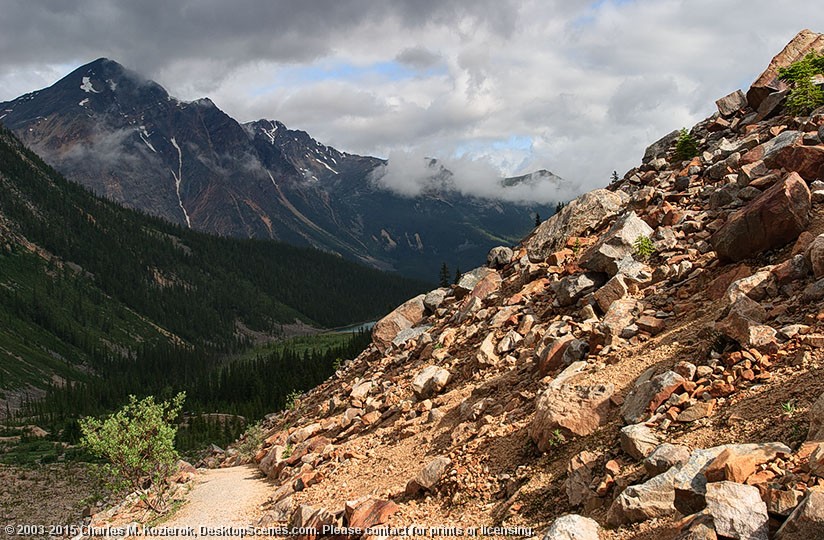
{"x":581,"y":87}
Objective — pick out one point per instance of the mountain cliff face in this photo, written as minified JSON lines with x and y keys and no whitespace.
{"x":190,"y":163}
{"x":645,"y":365}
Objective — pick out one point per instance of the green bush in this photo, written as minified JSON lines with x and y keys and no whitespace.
{"x":643,"y":248}
{"x":685,"y":148}
{"x":138,"y":443}
{"x":804,"y":95}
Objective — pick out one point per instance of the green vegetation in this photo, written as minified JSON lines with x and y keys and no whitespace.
{"x":643,"y":248}
{"x":804,"y":96}
{"x":138,"y":444}
{"x":685,"y":148}
{"x":443,"y":276}
{"x":614,"y":177}
{"x":788,"y":408}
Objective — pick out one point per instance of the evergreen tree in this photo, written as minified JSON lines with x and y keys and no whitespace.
{"x":457,"y":274}
{"x":537,"y":219}
{"x":443,"y":279}
{"x":614,"y":178}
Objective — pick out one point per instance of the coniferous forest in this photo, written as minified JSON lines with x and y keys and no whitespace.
{"x":98,"y":302}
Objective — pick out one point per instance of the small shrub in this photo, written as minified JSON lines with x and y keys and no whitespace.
{"x":685,"y":148}
{"x":788,"y":407}
{"x":138,"y":443}
{"x":287,"y":452}
{"x":292,"y":399}
{"x":557,"y":439}
{"x":251,"y":439}
{"x":643,"y":248}
{"x":804,"y":95}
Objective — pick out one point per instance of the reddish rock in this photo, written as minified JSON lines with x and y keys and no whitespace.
{"x":651,"y":324}
{"x":731,"y":103}
{"x":552,"y":356}
{"x":770,"y":221}
{"x":362,"y":514}
{"x":803,"y":43}
{"x":649,"y":394}
{"x":578,"y":409}
{"x":403,"y":317}
{"x":807,"y":161}
{"x":702,"y":409}
{"x":614,"y":289}
{"x":719,"y":285}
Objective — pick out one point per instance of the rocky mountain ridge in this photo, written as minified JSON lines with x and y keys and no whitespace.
{"x":645,"y":365}
{"x":127,"y":139}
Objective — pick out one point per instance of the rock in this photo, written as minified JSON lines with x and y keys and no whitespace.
{"x":487,"y":285}
{"x":737,"y":511}
{"x":638,"y":440}
{"x":814,"y":291}
{"x":652,"y":499}
{"x":361,"y":390}
{"x":618,"y":317}
{"x":304,"y":433}
{"x":771,"y":105}
{"x":509,"y":342}
{"x":651,"y":324}
{"x":409,"y":334}
{"x":802,"y":44}
{"x":403,"y":317}
{"x":770,"y":221}
{"x":614,"y":289}
{"x":702,"y":409}
{"x":573,"y":527}
{"x":697,"y":527}
{"x":579,"y":409}
{"x":579,"y":477}
{"x":433,"y":300}
{"x":608,"y":254}
{"x":588,"y":212}
{"x":734,"y":466}
{"x":499,"y":257}
{"x":433,"y":472}
{"x":782,"y":502}
{"x":648,"y":395}
{"x":666,"y":456}
{"x":815,"y":255}
{"x":430,"y":381}
{"x":569,"y":289}
{"x":554,"y":356}
{"x":731,"y":103}
{"x":660,"y":147}
{"x":807,"y":520}
{"x":816,"y":416}
{"x":807,"y":161}
{"x":743,"y":323}
{"x":273,"y":457}
{"x":486,"y":355}
{"x":470,"y":280}
{"x":362,"y":514}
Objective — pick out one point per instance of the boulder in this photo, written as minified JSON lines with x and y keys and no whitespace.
{"x":807,"y":520}
{"x":552,"y":357}
{"x":807,"y":161}
{"x":614,"y":289}
{"x":737,"y":511}
{"x":802,"y":44}
{"x":666,"y":456}
{"x":499,"y":257}
{"x":403,"y":317}
{"x":743,"y":324}
{"x":731,"y":103}
{"x":433,"y":299}
{"x":569,"y":289}
{"x":579,"y":409}
{"x":638,"y":440}
{"x":649,"y":394}
{"x":697,"y":527}
{"x":772,"y":220}
{"x":815,"y":255}
{"x":470,"y":279}
{"x":579,"y":477}
{"x":361,"y":390}
{"x":588,"y":212}
{"x":652,"y":499}
{"x":368,"y":512}
{"x":617,"y":318}
{"x":609,"y":253}
{"x":433,"y":472}
{"x":660,"y":147}
{"x":573,"y":527}
{"x":429,"y":381}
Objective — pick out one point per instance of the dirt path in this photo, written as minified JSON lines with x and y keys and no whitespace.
{"x":223,"y":498}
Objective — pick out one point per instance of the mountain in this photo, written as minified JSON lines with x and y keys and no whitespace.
{"x":86,"y":284}
{"x":647,"y":364}
{"x":125,"y":138}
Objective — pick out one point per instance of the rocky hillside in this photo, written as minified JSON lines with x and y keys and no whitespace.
{"x":127,"y":139}
{"x":645,"y":365}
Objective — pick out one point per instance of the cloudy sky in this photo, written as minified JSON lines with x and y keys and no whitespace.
{"x":576,"y":87}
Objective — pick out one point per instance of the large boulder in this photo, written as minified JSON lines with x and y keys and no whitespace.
{"x":575,"y":408}
{"x":648,"y":394}
{"x":569,"y":289}
{"x":802,"y":44}
{"x":807,"y":520}
{"x":573,"y":527}
{"x":429,"y":381}
{"x":614,"y":249}
{"x":731,"y":103}
{"x":772,"y":220}
{"x":659,"y":148}
{"x":807,"y":161}
{"x":737,"y":511}
{"x":587,"y":212}
{"x":403,"y":317}
{"x":499,"y":257}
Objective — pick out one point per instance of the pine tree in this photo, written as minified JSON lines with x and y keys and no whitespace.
{"x":614,"y":178}
{"x":537,"y":219}
{"x":457,"y":274}
{"x":443,"y":278}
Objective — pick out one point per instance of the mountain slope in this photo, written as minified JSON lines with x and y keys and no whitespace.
{"x":82,"y":278}
{"x":128,"y":140}
{"x":587,"y":388}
